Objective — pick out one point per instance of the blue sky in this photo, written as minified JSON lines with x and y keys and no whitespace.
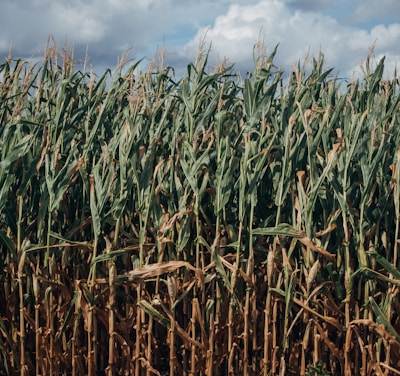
{"x":343,"y":30}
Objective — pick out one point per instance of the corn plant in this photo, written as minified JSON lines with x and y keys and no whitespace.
{"x":200,"y":225}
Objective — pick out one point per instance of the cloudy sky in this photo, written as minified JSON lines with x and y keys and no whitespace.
{"x":344,"y":30}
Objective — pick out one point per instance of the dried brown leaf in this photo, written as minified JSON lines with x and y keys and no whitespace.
{"x":308,"y":243}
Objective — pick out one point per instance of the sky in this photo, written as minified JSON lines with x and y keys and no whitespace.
{"x":343,"y":30}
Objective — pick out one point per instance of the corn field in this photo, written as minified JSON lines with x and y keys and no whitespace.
{"x":206,"y":225}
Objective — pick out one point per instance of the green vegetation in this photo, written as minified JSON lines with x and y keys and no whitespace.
{"x":210,"y":225}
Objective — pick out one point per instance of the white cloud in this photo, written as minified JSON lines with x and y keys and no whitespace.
{"x":298,"y":33}
{"x":81,"y":23}
{"x":108,"y":27}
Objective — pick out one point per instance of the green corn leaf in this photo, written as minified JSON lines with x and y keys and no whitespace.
{"x":17,"y":151}
{"x":381,"y":319}
{"x":386,"y":264}
{"x":6,"y":242}
{"x":154,"y":313}
{"x":282,"y":229}
{"x":220,"y":268}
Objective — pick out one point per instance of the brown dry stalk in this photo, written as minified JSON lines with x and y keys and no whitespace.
{"x":332,"y":347}
{"x":379,"y":328}
{"x":330,"y":320}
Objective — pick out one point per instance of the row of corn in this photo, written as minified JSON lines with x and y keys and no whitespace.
{"x":206,"y":225}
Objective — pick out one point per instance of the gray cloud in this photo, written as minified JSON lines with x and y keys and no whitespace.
{"x":311,"y":5}
{"x":298,"y":34}
{"x":105,"y":27}
{"x":109,"y":27}
{"x":370,"y":10}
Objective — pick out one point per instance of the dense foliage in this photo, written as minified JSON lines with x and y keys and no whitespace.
{"x":202,"y":225}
